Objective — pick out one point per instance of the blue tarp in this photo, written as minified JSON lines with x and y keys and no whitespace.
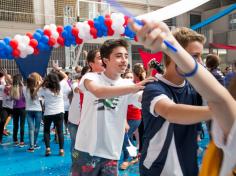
{"x":34,"y":63}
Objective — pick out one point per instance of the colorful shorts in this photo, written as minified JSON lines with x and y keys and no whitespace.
{"x":85,"y":165}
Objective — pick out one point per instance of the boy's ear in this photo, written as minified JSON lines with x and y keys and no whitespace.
{"x":105,"y":60}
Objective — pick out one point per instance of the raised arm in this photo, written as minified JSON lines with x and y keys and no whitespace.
{"x":221,"y":103}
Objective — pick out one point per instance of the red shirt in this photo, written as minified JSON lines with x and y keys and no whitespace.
{"x":133,"y":113}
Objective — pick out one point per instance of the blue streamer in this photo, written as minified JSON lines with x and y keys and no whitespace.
{"x":214,"y":17}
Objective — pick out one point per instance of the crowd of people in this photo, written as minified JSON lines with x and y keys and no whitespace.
{"x":108,"y":105}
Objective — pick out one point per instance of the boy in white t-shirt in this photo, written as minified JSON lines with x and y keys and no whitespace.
{"x":95,"y":64}
{"x":102,"y":125}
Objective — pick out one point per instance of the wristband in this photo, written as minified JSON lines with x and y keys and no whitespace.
{"x":190,"y":74}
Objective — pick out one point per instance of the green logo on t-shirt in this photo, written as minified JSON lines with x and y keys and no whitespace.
{"x":110,"y":103}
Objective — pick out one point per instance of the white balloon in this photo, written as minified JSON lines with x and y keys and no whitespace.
{"x":55,"y":34}
{"x":46,"y":27}
{"x":113,"y":15}
{"x":18,"y":37}
{"x":56,"y":45}
{"x":29,"y":50}
{"x":25,"y":39}
{"x":121,"y":30}
{"x":21,"y":47}
{"x":23,"y":55}
{"x":53,"y":27}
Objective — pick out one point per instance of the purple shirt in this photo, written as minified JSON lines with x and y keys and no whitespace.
{"x":20,"y":103}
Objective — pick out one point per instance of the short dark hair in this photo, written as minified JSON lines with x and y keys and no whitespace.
{"x":212,"y":61}
{"x":108,"y":46}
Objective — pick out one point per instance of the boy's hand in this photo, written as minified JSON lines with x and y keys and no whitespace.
{"x":141,"y":85}
{"x":152,"y":34}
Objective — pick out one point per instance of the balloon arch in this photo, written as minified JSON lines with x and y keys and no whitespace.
{"x":52,"y":36}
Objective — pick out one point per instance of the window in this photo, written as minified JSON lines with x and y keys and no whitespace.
{"x":18,"y":11}
{"x":232,"y":21}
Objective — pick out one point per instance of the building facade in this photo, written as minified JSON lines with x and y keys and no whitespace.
{"x":20,"y":17}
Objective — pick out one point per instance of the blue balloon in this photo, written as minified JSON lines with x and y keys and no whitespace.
{"x":7,"y":40}
{"x":46,"y":48}
{"x":8,"y":49}
{"x":2,"y":45}
{"x":10,"y":56}
{"x":96,"y":24}
{"x":73,"y":41}
{"x":105,"y":33}
{"x":68,"y":28}
{"x":45,"y":39}
{"x":41,"y":46}
{"x":101,"y":19}
{"x":37,"y":36}
{"x":67,"y":43}
{"x":2,"y":54}
{"x":40,"y":31}
{"x":64,"y":34}
{"x":99,"y":34}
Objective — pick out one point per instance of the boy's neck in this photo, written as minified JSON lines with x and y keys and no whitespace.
{"x":111,"y":75}
{"x":177,"y":80}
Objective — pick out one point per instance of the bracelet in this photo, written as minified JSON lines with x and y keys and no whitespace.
{"x":190,"y":74}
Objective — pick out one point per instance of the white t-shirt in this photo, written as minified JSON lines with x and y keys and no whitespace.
{"x":7,"y":101}
{"x":31,"y":105}
{"x":65,"y":90}
{"x":54,"y":104}
{"x":229,"y":148}
{"x":74,"y":110}
{"x":102,"y":124}
{"x":2,"y":91}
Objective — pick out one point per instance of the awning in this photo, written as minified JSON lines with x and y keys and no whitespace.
{"x":222,"y":46}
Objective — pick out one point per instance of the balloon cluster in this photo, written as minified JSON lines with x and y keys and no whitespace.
{"x":52,"y":36}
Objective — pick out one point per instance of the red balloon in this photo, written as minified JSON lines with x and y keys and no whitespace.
{"x":110,"y":32}
{"x":33,"y":43}
{"x":108,"y":21}
{"x":126,"y":20}
{"x":78,"y":40}
{"x":51,"y":41}
{"x":13,"y":43}
{"x":107,"y":16}
{"x":36,"y":51}
{"x":93,"y":32}
{"x":135,"y":38}
{"x":60,"y":29}
{"x":75,"y":31}
{"x":60,"y":40}
{"x":91,"y":23}
{"x":47,"y":32}
{"x":16,"y":53}
{"x":29,"y":34}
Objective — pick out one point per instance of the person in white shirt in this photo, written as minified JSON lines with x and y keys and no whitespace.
{"x":66,"y":90}
{"x":101,"y":131}
{"x":54,"y":110}
{"x":33,"y":108}
{"x":220,"y":102}
{"x":95,"y":64}
{"x":6,"y":103}
{"x":2,"y":84}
